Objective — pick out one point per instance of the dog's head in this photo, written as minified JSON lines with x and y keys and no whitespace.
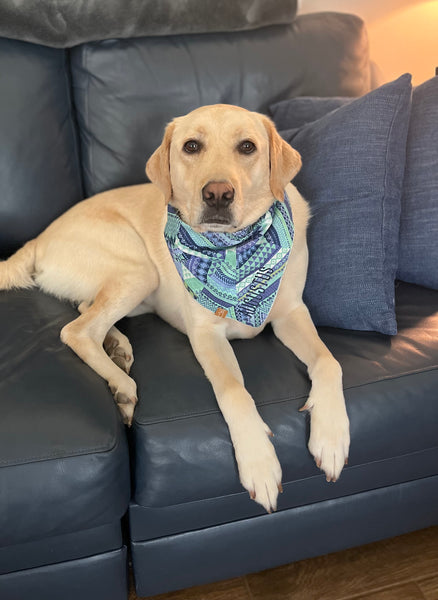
{"x":222,"y":167}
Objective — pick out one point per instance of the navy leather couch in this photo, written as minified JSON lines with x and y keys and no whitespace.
{"x":83,"y":117}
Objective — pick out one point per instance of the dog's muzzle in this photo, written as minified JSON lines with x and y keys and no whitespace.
{"x":217,"y":197}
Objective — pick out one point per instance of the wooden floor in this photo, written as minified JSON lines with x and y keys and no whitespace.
{"x":402,"y":568}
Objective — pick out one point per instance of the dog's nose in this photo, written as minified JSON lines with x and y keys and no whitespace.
{"x":218,"y":194}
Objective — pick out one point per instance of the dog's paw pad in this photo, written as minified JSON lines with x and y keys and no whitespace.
{"x":118,"y":348}
{"x":125,"y":396}
{"x":127,"y":412}
{"x":121,"y":362}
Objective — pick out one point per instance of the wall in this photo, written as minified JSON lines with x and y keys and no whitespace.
{"x":403,"y":33}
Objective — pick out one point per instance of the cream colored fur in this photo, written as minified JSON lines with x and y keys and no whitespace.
{"x":109,"y":255}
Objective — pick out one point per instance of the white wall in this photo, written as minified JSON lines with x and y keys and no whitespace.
{"x":369,"y":10}
{"x":403,"y":33}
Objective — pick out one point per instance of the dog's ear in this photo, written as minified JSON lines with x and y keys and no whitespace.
{"x":158,"y":166}
{"x":285,"y":162}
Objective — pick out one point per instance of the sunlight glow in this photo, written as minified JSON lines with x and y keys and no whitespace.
{"x":406,"y":40}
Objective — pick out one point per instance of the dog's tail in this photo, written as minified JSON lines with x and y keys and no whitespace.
{"x":16,"y":271}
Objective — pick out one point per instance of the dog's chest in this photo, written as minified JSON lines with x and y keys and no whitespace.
{"x":236,"y":330}
{"x":173,"y":303}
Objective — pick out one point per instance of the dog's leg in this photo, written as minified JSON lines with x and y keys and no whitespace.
{"x":116,"y":344}
{"x":329,"y":426}
{"x":86,"y":334}
{"x":259,"y":469}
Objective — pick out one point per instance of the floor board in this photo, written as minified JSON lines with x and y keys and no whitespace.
{"x":408,"y":591}
{"x":352,"y":572}
{"x":429,"y":587}
{"x":401,"y":568}
{"x":232,"y":589}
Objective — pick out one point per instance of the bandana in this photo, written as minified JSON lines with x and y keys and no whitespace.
{"x":235,"y":275}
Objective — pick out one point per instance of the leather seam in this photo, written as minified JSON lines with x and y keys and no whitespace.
{"x":60,"y":456}
{"x":75,"y":130}
{"x":291,"y":483}
{"x":282,"y":400}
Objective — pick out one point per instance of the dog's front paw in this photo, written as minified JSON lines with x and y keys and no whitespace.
{"x":259,"y":468}
{"x":329,"y":436}
{"x":124,"y":390}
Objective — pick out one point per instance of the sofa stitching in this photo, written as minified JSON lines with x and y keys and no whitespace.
{"x":282,"y":400}
{"x":75,"y":130}
{"x":290,"y":483}
{"x":112,"y":445}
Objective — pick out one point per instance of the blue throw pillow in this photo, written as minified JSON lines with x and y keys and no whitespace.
{"x":353,"y":164}
{"x":418,"y":251}
{"x":296,"y":112}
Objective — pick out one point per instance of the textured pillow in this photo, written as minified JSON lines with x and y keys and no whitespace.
{"x":297,"y":112}
{"x":418,"y":251}
{"x":353,"y":164}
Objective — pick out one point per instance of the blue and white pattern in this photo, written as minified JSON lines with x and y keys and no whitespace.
{"x":235,"y":275}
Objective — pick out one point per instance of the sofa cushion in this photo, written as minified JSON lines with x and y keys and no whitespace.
{"x":185,"y":475}
{"x":39,"y":165}
{"x":102,"y":576}
{"x":67,"y":24}
{"x":63,"y":451}
{"x":418,"y":253}
{"x":126,"y":91}
{"x":353,"y":165}
{"x":251,"y":545}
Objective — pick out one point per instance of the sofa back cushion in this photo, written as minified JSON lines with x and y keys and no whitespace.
{"x":66,"y":24}
{"x":39,"y":165}
{"x":126,"y":91}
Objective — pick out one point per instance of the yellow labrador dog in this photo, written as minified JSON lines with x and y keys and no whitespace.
{"x":109,"y":255}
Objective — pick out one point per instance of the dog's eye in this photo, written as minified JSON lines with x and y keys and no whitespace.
{"x":246,"y":147}
{"x":192,"y":146}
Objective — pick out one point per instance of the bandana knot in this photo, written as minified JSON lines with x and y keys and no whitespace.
{"x":235,"y":275}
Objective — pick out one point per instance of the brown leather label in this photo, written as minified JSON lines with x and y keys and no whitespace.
{"x":221,"y":312}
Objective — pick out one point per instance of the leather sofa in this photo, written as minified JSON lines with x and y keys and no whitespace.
{"x":81,"y":112}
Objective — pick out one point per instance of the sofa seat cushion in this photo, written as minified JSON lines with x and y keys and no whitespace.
{"x":63,"y":452}
{"x":184,"y":465}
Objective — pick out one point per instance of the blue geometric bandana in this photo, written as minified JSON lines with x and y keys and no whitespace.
{"x":235,"y":275}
